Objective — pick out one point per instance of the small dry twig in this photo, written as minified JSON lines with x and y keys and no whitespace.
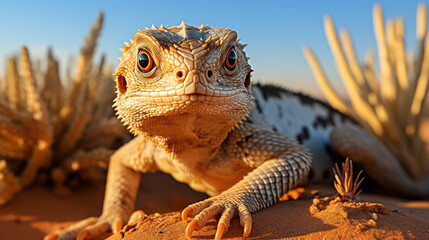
{"x":346,"y":188}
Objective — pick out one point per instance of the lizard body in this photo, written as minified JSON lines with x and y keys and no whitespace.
{"x":185,"y":92}
{"x":304,"y":118}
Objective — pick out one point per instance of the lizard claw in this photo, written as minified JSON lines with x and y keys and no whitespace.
{"x":247,"y":227}
{"x":195,"y":208}
{"x":245,"y":221}
{"x":72,"y":231}
{"x":201,"y":219}
{"x":117,"y":225}
{"x":192,"y":226}
{"x":205,"y":210}
{"x":188,"y":211}
{"x":94,"y":231}
{"x":89,"y":228}
{"x":220,"y":230}
{"x":137,"y":215}
{"x":224,"y":221}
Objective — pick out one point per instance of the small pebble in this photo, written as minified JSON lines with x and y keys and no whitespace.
{"x":374,"y":216}
{"x":372,"y":223}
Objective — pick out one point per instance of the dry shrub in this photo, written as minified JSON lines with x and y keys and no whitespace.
{"x":391,"y":107}
{"x":61,"y":131}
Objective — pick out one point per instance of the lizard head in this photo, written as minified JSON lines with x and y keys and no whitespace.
{"x":171,"y":78}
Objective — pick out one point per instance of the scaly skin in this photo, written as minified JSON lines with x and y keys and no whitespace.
{"x":187,"y":111}
{"x":185,"y":96}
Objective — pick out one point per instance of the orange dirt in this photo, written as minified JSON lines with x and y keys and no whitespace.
{"x":292,"y":220}
{"x":37,"y":211}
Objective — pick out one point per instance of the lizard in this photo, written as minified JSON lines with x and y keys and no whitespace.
{"x":186,"y":93}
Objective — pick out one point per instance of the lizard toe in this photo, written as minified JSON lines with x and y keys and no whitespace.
{"x":94,"y":231}
{"x":202,"y":217}
{"x":224,"y":222}
{"x":192,"y":226}
{"x":89,"y":228}
{"x":220,"y":231}
{"x":245,"y":220}
{"x":187,"y":212}
{"x":72,"y":231}
{"x":137,"y":215}
{"x":117,"y":225}
{"x":224,"y":206}
{"x":194,"y":209}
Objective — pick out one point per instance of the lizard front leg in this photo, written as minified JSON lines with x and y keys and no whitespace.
{"x":123,"y":179}
{"x":280,"y":164}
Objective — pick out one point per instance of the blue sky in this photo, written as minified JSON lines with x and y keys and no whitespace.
{"x":274,"y":30}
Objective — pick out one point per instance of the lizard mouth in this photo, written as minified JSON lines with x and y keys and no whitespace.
{"x":178,"y":95}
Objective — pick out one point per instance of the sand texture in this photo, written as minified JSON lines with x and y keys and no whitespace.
{"x":292,"y":220}
{"x":37,"y":211}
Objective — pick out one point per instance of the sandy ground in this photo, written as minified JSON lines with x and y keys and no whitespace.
{"x":292,"y":220}
{"x":37,"y":211}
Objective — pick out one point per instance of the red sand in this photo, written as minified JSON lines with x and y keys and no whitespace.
{"x":37,"y":211}
{"x":292,"y":220}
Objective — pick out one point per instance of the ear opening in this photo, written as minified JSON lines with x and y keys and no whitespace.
{"x":121,"y":83}
{"x":247,"y":81}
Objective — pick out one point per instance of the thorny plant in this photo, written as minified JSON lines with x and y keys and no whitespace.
{"x":62,"y":131}
{"x":392,"y":108}
{"x":344,"y":184}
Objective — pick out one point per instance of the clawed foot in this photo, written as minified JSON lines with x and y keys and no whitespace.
{"x":204,"y":210}
{"x":92,"y":227}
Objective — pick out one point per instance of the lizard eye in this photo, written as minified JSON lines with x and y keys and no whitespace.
{"x":145,"y":61}
{"x":231,"y":60}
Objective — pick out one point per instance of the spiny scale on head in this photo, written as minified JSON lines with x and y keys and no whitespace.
{"x":126,"y":46}
{"x":186,"y":32}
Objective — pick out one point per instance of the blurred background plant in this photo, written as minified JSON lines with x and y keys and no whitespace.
{"x":389,"y":102}
{"x":53,"y":130}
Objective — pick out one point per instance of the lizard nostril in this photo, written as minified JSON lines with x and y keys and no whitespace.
{"x":179,"y":75}
{"x":122,"y":84}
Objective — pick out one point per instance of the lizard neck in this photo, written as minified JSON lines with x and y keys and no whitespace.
{"x":188,"y":134}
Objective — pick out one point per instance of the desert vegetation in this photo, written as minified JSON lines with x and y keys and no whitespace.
{"x":56,"y":130}
{"x":389,"y":101}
